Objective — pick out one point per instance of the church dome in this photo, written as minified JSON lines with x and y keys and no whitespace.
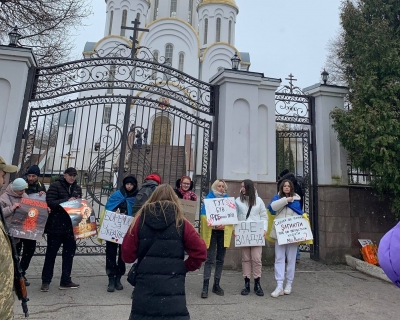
{"x":231,"y":3}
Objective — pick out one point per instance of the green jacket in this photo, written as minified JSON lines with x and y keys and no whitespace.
{"x":6,"y":277}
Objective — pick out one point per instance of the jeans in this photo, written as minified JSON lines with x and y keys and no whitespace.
{"x":26,"y":249}
{"x":114,"y":264}
{"x":54,"y":242}
{"x":216,"y":250}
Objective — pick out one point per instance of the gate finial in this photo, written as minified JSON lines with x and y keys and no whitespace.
{"x":291,"y":87}
{"x":136,"y":30}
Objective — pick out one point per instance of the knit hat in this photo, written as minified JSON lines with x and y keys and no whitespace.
{"x":155,"y":177}
{"x":34,"y":170}
{"x":388,"y":254}
{"x":19,"y":184}
{"x":130,"y":179}
{"x":71,"y":171}
{"x":7,"y":167}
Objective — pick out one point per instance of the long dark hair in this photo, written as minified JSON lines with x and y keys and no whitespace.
{"x":281,"y":193}
{"x":250,"y":195}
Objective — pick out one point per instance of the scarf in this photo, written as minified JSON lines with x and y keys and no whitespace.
{"x":116,"y":198}
{"x":219,"y":194}
{"x":187,"y":195}
{"x":295,"y":206}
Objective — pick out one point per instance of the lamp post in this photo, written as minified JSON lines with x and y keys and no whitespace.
{"x":325,"y":76}
{"x":14,"y":36}
{"x":235,"y":61}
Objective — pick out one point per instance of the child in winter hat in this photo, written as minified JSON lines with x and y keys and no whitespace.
{"x":389,"y":254}
{"x":19,"y":184}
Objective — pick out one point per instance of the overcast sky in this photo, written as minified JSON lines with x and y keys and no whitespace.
{"x":282,"y":36}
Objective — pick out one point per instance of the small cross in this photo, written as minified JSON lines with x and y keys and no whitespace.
{"x":136,"y":30}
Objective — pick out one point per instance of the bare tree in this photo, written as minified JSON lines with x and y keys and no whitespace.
{"x":45,"y":25}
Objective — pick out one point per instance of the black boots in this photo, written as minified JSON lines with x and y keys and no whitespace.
{"x":217,"y":289}
{"x":246,"y":289}
{"x":111,"y":284}
{"x":204,"y":292}
{"x":118,"y":284}
{"x":257,"y":287}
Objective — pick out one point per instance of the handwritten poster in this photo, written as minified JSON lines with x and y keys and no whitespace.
{"x":249,"y":234}
{"x":114,"y":226}
{"x":29,"y":220}
{"x":82,"y":217}
{"x":221,"y":211}
{"x":292,"y":230}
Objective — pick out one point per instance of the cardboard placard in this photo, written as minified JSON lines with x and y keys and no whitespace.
{"x":29,"y":220}
{"x":249,"y":234}
{"x":221,"y":211}
{"x":114,"y":226}
{"x":190,"y":209}
{"x":292,"y":230}
{"x":36,"y":196}
{"x":82,"y":217}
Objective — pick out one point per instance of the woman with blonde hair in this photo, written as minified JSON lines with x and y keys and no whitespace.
{"x":158,"y":239}
{"x":217,"y":239}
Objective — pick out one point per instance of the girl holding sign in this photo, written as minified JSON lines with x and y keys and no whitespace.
{"x":285,"y":204}
{"x":250,"y":207}
{"x":217,"y":239}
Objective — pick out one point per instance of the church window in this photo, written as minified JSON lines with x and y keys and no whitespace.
{"x":106,"y":115}
{"x":69,"y":140}
{"x":218,"y":31}
{"x":169,"y":51}
{"x":181,"y":61}
{"x":205,"y":30}
{"x":111,"y":22}
{"x":155,"y":13}
{"x":111,"y":78}
{"x":173,"y":8}
{"x":123,"y":22}
{"x":190,"y":16}
{"x":155,"y":59}
{"x":230,"y":32}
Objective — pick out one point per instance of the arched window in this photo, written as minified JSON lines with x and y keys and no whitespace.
{"x":230,"y":32}
{"x":205,"y":30}
{"x":181,"y":61}
{"x":123,"y":22}
{"x":173,"y":8}
{"x":69,"y":140}
{"x":155,"y":59}
{"x":190,"y":15}
{"x":218,"y":30}
{"x":169,"y":51}
{"x":111,"y":22}
{"x":155,"y":13}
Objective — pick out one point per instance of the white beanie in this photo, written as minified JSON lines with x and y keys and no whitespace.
{"x":19,"y":184}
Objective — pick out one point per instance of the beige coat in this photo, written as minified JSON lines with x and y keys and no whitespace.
{"x":7,"y":200}
{"x":282,"y":211}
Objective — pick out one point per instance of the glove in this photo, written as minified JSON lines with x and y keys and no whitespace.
{"x":305,"y":216}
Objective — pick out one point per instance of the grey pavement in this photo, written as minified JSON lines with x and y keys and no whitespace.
{"x":319,"y":292}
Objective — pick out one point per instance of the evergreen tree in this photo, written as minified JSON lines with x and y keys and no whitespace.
{"x":289,"y":159}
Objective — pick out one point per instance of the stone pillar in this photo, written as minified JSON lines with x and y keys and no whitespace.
{"x":15,"y":63}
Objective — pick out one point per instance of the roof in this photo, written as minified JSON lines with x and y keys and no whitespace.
{"x":231,"y":3}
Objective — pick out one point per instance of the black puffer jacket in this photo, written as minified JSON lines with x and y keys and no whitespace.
{"x":35,"y":188}
{"x":59,"y":222}
{"x":160,"y":283}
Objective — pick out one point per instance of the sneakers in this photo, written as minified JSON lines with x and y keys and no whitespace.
{"x":70,"y":285}
{"x":44,"y":287}
{"x":277,"y":292}
{"x":288,"y":289}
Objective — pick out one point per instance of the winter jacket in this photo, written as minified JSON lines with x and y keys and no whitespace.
{"x":59,"y":221}
{"x":35,"y":187}
{"x":297,"y":188}
{"x":6,"y":277}
{"x":123,"y":200}
{"x":206,"y":230}
{"x":160,"y":247}
{"x":389,"y":254}
{"x":188,"y":195}
{"x":7,"y":200}
{"x":258,"y":211}
{"x":144,"y":194}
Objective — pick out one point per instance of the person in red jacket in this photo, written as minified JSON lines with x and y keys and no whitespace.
{"x":158,"y":239}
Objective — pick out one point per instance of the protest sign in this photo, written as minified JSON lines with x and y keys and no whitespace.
{"x":114,"y":226}
{"x":292,"y":229}
{"x":249,"y":234}
{"x":36,"y":196}
{"x":220,"y":211}
{"x":29,"y":220}
{"x":82,"y":217}
{"x":190,"y":210}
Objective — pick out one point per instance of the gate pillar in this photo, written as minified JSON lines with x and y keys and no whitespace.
{"x":15,"y":63}
{"x":246,"y":126}
{"x":332,"y":157}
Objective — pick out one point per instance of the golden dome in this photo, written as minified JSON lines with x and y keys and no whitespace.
{"x":231,"y":3}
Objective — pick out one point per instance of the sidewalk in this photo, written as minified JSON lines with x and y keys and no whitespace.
{"x":319,"y":292}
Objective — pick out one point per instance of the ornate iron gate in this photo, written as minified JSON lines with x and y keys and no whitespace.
{"x":118,"y":113}
{"x":295,"y":148}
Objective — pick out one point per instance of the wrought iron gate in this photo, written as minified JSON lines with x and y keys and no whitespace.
{"x":117,"y":113}
{"x":295,"y":148}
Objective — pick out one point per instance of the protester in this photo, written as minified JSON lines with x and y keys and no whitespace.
{"x":10,"y":200}
{"x":59,"y":230}
{"x":285,"y":204}
{"x":217,"y":239}
{"x":121,"y":201}
{"x":6,"y":262}
{"x":250,"y":207}
{"x":158,"y":238}
{"x":150,"y":183}
{"x":183,"y":189}
{"x":389,"y":254}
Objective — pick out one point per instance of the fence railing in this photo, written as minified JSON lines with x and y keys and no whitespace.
{"x":357,"y":176}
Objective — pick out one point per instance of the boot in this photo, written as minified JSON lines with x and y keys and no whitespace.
{"x":217,"y":289}
{"x":118,"y":284}
{"x":204,"y":292}
{"x":257,"y":287}
{"x":111,"y":284}
{"x":246,"y":289}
